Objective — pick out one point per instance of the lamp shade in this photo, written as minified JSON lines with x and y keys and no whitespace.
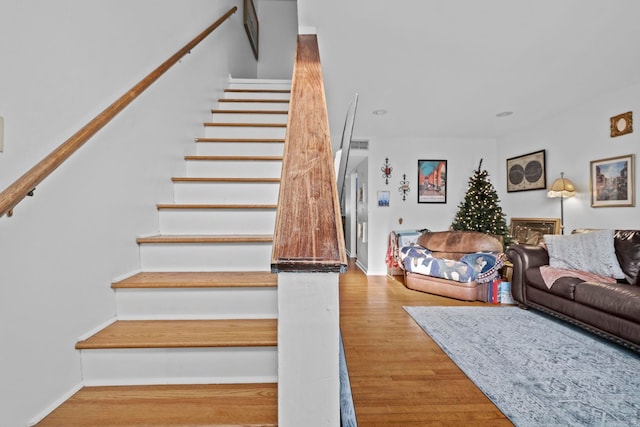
{"x":562,"y":187}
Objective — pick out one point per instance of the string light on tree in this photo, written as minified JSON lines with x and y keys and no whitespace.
{"x":480,"y":209}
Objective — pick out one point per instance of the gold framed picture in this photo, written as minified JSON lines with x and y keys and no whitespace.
{"x":531,"y":231}
{"x":613,"y":182}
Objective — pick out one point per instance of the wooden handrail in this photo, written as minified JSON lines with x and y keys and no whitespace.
{"x":308,"y":235}
{"x":24,"y":185}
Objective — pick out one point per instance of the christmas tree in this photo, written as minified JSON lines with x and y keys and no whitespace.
{"x":480,"y":211}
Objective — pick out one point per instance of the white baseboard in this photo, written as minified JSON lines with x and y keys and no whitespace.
{"x":64,"y":397}
{"x":97,"y":329}
{"x":361,"y":267}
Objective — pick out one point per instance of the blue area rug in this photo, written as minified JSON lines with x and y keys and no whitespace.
{"x":537,"y":370}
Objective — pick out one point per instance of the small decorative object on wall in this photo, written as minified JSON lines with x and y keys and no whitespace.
{"x":527,"y":172}
{"x":386,"y":171}
{"x":622,"y":124}
{"x":530,"y":231}
{"x":404,"y":187}
{"x":383,"y":198}
{"x":362,"y":194}
{"x":613,"y":182}
{"x":251,"y":25}
{"x":432,"y":181}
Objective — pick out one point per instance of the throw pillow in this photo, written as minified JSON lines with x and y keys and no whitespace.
{"x":593,"y":252}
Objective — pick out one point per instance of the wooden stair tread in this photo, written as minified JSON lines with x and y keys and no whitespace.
{"x":215,"y":206}
{"x":184,"y":334}
{"x":229,"y":90}
{"x":218,"y":111}
{"x":207,"y":179}
{"x":243,"y":158}
{"x":199,"y":279}
{"x":254,"y":125}
{"x":169,"y":406}
{"x":279,"y":101}
{"x":258,"y":140}
{"x":219,"y":238}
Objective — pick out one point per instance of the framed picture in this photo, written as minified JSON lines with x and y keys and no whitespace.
{"x":612,"y":182}
{"x":251,"y":25}
{"x":432,"y":181}
{"x":530,"y":231}
{"x":527,"y":172}
{"x":383,"y":198}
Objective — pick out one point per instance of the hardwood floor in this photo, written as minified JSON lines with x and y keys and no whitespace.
{"x":398,"y":375}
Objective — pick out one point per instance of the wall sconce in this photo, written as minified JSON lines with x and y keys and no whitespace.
{"x":404,"y":187}
{"x":562,"y":187}
{"x":386,"y":171}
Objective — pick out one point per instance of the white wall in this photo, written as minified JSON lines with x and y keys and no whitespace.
{"x":362,"y":215}
{"x":63,"y":62}
{"x":462,"y":155}
{"x":572,"y":140}
{"x":278,"y":31}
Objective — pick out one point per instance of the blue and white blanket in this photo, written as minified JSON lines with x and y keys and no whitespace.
{"x":479,"y":266}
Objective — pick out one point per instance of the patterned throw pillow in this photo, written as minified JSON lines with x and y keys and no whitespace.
{"x":593,"y":252}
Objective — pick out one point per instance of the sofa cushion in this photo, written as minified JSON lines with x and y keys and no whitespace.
{"x":619,"y":299}
{"x":627,"y":244}
{"x":593,"y":252}
{"x":563,"y":287}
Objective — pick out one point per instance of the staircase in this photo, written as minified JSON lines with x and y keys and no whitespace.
{"x":194,"y":341}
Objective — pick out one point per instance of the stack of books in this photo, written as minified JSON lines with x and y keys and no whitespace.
{"x":495,"y":292}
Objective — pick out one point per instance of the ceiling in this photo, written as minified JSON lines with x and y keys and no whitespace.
{"x":446,"y":68}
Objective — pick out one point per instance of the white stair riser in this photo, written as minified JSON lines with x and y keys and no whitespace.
{"x":197,"y":303}
{"x":253,"y":105}
{"x":239,"y":148}
{"x":240,"y":83}
{"x":206,"y":257}
{"x":179,"y":366}
{"x":256,"y":95}
{"x":243,"y":132}
{"x":249,"y":118}
{"x":217,"y":221}
{"x":214,"y":192}
{"x":234,"y":168}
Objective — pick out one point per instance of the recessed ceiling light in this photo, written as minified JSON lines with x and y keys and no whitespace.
{"x":380,"y":112}
{"x":504,"y":114}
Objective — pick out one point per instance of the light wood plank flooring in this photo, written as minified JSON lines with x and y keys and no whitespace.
{"x":398,"y":375}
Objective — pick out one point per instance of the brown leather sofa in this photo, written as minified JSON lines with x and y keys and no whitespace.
{"x":611,"y":310}
{"x":452,"y":245}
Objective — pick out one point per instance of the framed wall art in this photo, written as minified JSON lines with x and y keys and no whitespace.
{"x":432,"y":181}
{"x":251,"y":25}
{"x":527,"y":172}
{"x":612,"y":182}
{"x":383,"y":198}
{"x":530,"y":231}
